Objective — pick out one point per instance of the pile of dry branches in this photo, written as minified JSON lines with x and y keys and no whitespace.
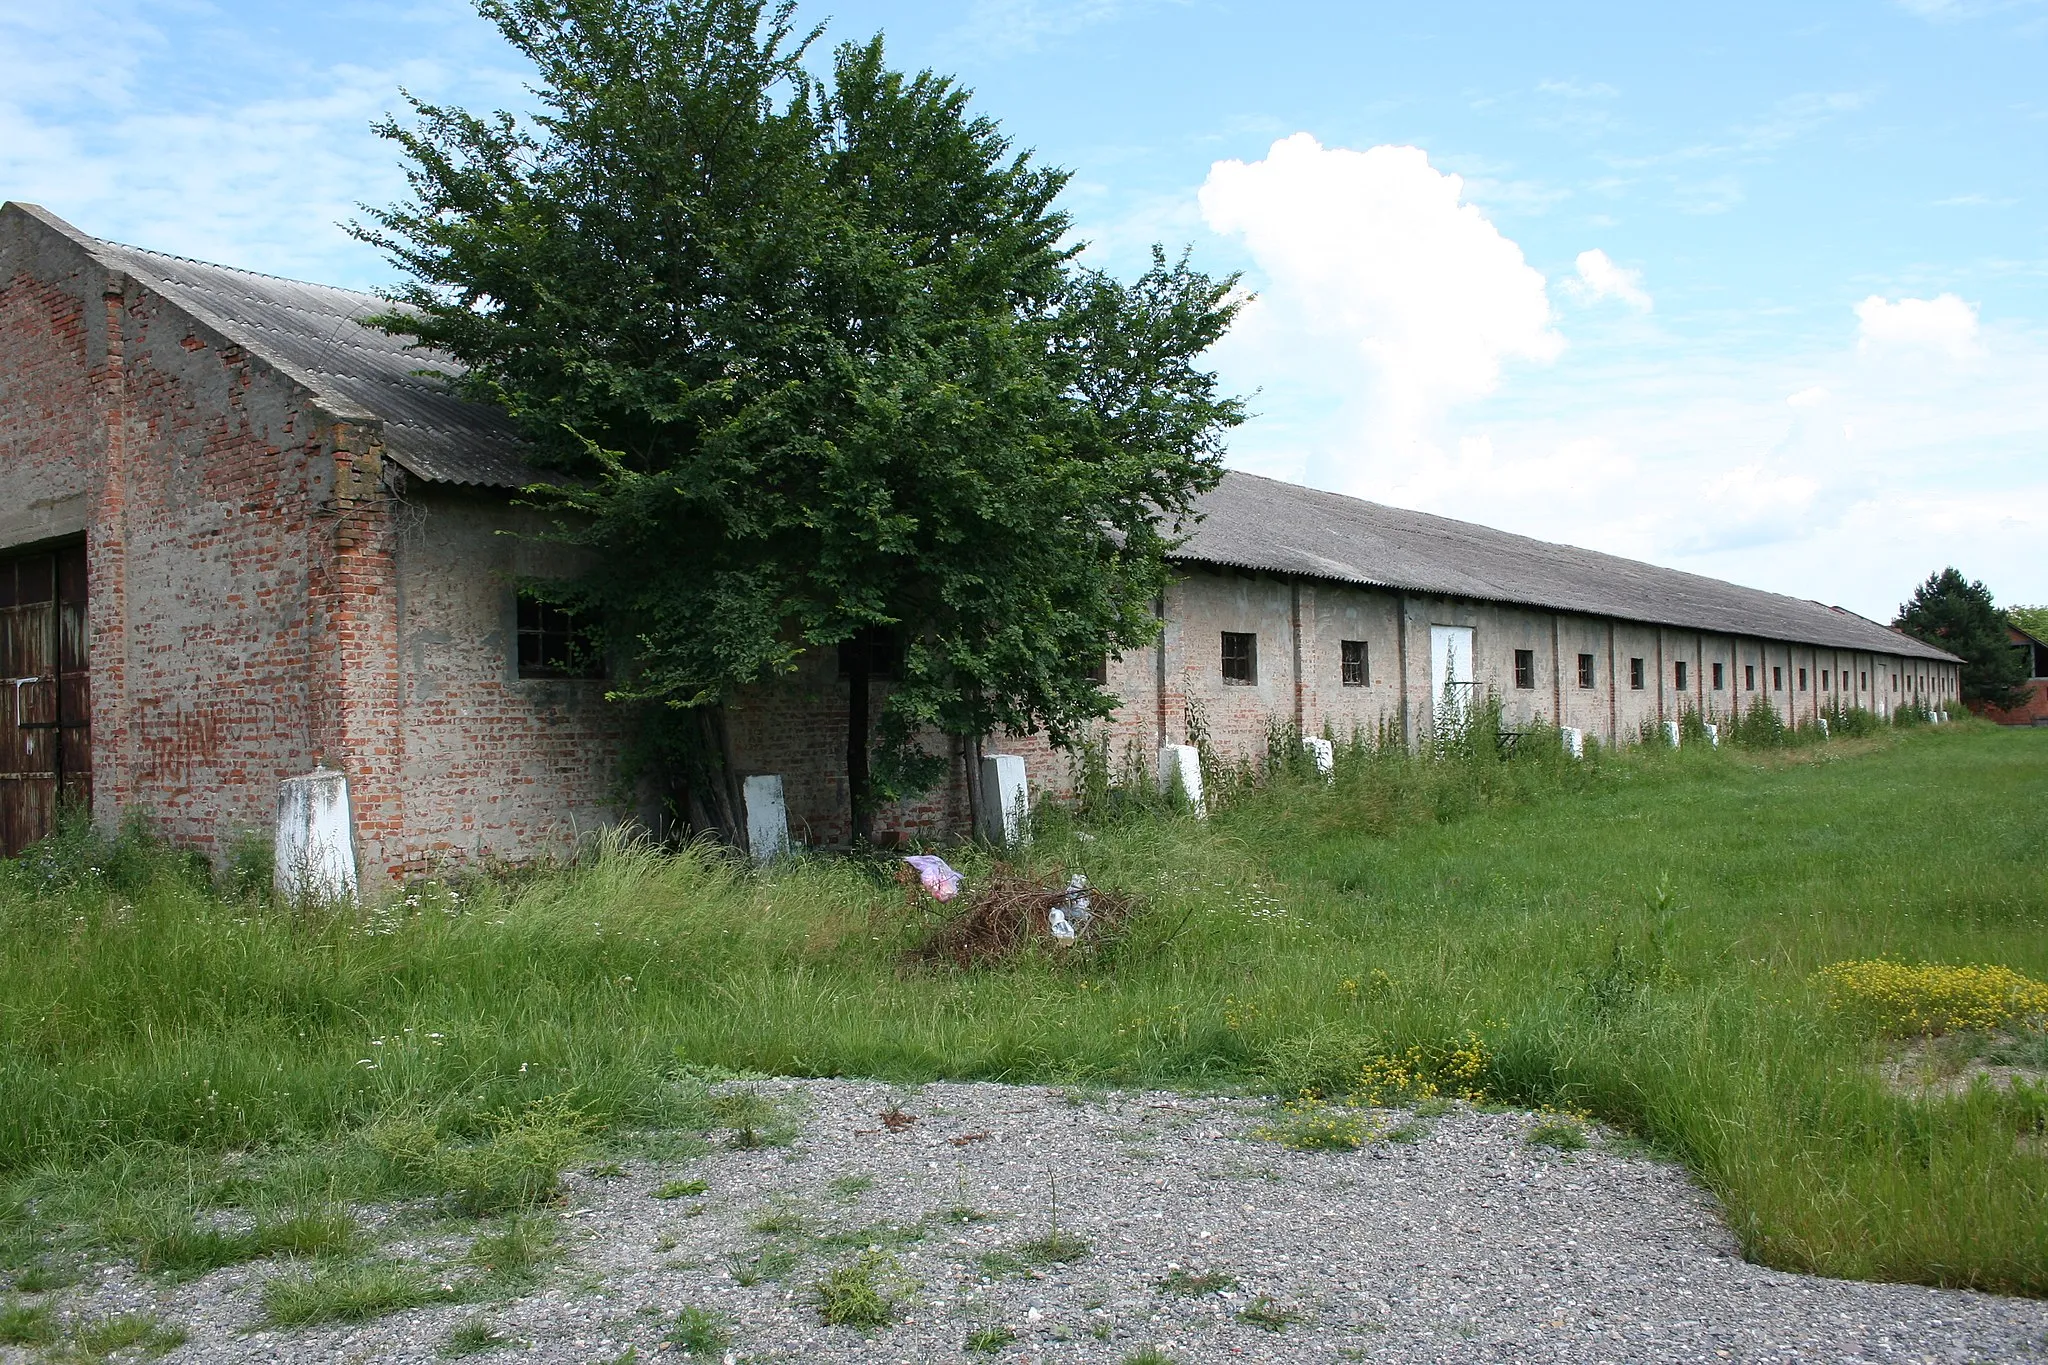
{"x":1005,"y":912}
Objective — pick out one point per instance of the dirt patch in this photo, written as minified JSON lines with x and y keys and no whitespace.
{"x":1948,"y":1067}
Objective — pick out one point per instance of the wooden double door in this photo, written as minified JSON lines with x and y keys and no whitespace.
{"x":45,"y":692}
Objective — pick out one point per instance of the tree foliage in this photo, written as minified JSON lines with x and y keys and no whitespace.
{"x":2032,"y":620}
{"x":1955,"y":614}
{"x":809,"y":360}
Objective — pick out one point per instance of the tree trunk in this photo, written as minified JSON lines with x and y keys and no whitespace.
{"x":718,"y":788}
{"x":859,"y":791}
{"x":970,"y":749}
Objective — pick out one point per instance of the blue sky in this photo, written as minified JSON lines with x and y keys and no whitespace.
{"x":1759,"y":291}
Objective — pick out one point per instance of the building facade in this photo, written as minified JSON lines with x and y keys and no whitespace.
{"x":2034,"y":709}
{"x":241,"y":538}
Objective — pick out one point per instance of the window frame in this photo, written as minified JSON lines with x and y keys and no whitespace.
{"x":1525,"y":669}
{"x":1354,"y":663}
{"x":1246,"y":655}
{"x":1588,"y":675}
{"x":1637,"y":675}
{"x":1681,"y":675}
{"x":879,"y":648}
{"x":557,"y":638}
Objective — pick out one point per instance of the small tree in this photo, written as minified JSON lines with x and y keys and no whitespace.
{"x":819,"y":370}
{"x":1952,"y":613}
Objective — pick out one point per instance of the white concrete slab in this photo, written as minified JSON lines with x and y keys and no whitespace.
{"x":1005,"y":799}
{"x":1180,"y":770}
{"x":315,"y":849}
{"x":767,"y":817}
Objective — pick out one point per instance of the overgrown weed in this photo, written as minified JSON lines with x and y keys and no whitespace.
{"x":164,"y":1045}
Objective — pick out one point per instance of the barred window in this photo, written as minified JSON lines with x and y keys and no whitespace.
{"x":1525,"y":668}
{"x":1354,"y":662}
{"x":555,"y":642}
{"x":1240,"y":657}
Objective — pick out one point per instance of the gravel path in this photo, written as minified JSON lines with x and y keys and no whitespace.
{"x":1465,"y":1244}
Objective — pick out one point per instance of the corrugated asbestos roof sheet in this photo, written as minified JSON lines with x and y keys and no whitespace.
{"x":314,"y":334}
{"x":1255,"y":523}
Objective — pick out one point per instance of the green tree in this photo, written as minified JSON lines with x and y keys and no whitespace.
{"x":814,"y":368}
{"x":1952,"y":613}
{"x":2032,"y":620}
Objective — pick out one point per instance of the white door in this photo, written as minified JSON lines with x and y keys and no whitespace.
{"x":1451,"y":679}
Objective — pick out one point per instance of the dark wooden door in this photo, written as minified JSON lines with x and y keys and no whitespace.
{"x":45,"y":692}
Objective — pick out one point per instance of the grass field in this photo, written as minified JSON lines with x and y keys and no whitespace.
{"x":1635,"y":938}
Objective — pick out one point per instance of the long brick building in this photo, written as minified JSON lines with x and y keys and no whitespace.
{"x":241,"y":537}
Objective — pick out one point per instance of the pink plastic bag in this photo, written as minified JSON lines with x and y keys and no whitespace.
{"x":939,"y":880}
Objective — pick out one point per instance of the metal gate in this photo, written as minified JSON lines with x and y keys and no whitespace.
{"x":45,"y":740}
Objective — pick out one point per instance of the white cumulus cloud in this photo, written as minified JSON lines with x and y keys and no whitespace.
{"x":1600,"y":278}
{"x":1943,"y":323}
{"x":1376,"y":281}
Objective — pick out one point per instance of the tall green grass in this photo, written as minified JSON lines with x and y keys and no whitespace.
{"x":1633,"y":937}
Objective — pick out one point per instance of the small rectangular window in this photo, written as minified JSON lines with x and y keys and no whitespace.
{"x":1777,"y":678}
{"x":1240,"y":657}
{"x":1824,"y":680}
{"x":1099,"y":675}
{"x":1802,"y":680}
{"x":1525,"y":668}
{"x":1585,"y":670}
{"x":1635,"y":674}
{"x":876,"y":649}
{"x":1719,"y":679}
{"x":555,"y":642}
{"x":1354,"y":662}
{"x":1863,"y":680}
{"x":1679,"y":672}
{"x":1749,"y":677}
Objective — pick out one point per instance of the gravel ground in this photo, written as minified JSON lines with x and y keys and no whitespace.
{"x":1464,"y":1244}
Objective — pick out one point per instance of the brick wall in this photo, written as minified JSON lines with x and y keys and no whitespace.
{"x":269,"y":590}
{"x":488,"y":762}
{"x":192,"y":473}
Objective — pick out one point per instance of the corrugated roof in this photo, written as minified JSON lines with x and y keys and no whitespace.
{"x":1257,"y":523}
{"x":313,"y":334}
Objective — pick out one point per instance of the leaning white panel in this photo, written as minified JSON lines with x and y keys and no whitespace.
{"x":1005,"y":799}
{"x":767,"y":817}
{"x":316,"y":855}
{"x":1180,"y":770}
